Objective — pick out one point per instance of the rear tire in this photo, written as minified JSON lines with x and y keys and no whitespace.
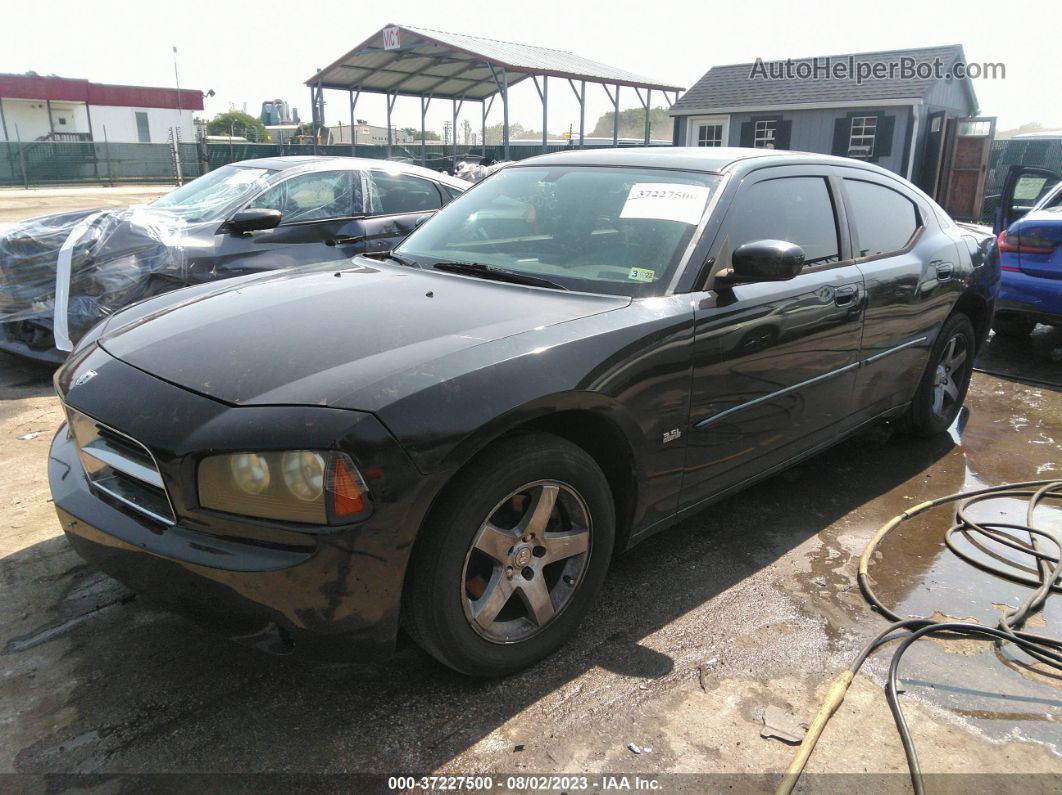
{"x":943,"y":387}
{"x":1012,"y":324}
{"x":512,"y":556}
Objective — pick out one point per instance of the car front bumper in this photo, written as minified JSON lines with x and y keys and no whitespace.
{"x":25,"y":339}
{"x":274,"y":599}
{"x":336,"y":593}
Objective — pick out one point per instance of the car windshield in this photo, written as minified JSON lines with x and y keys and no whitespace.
{"x":210,"y":196}
{"x":591,"y":228}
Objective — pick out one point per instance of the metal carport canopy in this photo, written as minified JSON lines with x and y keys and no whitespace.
{"x":400,"y":60}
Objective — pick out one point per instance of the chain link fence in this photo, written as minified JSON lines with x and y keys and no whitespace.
{"x":40,"y":163}
{"x":1039,"y":152}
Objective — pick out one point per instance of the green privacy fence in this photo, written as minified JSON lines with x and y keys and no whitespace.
{"x":1039,"y":152}
{"x":92,"y":162}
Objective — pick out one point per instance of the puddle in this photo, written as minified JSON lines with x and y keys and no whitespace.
{"x":1009,"y":434}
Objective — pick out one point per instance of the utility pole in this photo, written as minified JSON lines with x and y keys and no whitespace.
{"x":177,"y":136}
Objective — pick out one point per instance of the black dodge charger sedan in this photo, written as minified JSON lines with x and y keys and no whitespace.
{"x":456,"y":436}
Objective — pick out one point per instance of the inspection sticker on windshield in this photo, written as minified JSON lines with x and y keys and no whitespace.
{"x":666,"y":201}
{"x":641,"y":275}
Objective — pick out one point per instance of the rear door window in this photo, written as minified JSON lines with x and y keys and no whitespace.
{"x":795,"y":209}
{"x":402,"y":193}
{"x":885,"y":220}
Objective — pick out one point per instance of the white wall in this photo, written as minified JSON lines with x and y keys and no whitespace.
{"x":31,"y":118}
{"x":121,"y":124}
{"x":26,"y":120}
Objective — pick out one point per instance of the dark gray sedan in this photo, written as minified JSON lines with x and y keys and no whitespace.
{"x":61,"y":274}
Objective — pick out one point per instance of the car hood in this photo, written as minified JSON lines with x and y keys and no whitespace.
{"x":316,"y":335}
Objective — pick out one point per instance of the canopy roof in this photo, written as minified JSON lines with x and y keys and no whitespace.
{"x":420,"y":62}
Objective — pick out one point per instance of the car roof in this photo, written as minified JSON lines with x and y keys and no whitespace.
{"x":714,"y":159}
{"x":318,"y":162}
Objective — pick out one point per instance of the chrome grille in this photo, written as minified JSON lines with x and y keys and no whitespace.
{"x":120,"y":468}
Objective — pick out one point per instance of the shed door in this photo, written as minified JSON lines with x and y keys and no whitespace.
{"x":708,"y":131}
{"x":932,"y":159}
{"x":969,"y":167}
{"x":143,"y":132}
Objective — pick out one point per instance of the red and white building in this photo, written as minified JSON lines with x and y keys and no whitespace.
{"x":64,"y":109}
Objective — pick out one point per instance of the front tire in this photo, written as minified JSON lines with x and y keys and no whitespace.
{"x":512,"y":557}
{"x":943,"y":387}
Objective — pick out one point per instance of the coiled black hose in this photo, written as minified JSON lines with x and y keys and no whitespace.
{"x":1043,"y":575}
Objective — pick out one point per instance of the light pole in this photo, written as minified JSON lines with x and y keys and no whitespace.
{"x":177,"y":129}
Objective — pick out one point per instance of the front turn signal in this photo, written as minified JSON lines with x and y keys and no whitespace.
{"x":348,"y":490}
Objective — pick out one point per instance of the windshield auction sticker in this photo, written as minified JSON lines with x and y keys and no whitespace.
{"x":666,"y":201}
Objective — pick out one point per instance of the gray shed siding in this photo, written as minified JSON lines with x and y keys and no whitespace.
{"x":812,"y":130}
{"x":951,"y":95}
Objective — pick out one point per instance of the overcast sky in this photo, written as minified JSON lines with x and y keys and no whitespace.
{"x":248,"y":52}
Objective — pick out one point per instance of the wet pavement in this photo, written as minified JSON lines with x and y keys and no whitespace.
{"x":750,"y":604}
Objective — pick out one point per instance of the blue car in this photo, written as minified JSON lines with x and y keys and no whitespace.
{"x":1028,"y":223}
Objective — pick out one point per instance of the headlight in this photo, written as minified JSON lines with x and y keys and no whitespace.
{"x":295,"y":486}
{"x":250,"y":472}
{"x":304,"y":474}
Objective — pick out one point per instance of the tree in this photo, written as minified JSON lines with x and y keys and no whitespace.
{"x":414,"y":133}
{"x":235,"y":123}
{"x":632,"y":124}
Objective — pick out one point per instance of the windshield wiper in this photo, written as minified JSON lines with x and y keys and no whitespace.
{"x":402,"y":260}
{"x":497,"y":274}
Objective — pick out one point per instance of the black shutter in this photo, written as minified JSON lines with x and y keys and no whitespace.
{"x":883,"y":136}
{"x":842,"y":128}
{"x":782,"y":134}
{"x":675,"y":131}
{"x":746,"y":133}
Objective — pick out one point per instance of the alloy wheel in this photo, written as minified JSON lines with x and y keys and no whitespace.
{"x":948,"y":379}
{"x":526,"y":561}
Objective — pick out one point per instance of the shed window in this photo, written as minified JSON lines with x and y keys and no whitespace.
{"x":764,"y":133}
{"x":710,"y":135}
{"x":861,"y":138}
{"x":979,"y":128}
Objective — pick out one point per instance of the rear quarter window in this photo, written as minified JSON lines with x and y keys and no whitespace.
{"x":885,"y":220}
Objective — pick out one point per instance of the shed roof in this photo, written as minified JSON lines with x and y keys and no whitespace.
{"x":736,"y":87}
{"x":454,"y":65}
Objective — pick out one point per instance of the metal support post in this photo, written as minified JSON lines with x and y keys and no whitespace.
{"x":615,"y":118}
{"x":424,"y":103}
{"x":457,"y":109}
{"x":390,"y":107}
{"x":505,"y":111}
{"x":353,"y":123}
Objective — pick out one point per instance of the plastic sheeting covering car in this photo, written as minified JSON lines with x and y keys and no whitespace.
{"x":69,"y":271}
{"x":476,"y":172}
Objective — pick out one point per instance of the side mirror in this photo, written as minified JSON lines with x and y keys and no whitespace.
{"x":763,"y":261}
{"x":252,"y":220}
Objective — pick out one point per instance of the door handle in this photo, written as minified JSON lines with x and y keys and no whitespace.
{"x":843,"y":296}
{"x":344,"y":241}
{"x":945,"y":270}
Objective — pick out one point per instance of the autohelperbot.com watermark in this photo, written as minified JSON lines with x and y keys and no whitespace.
{"x":850,"y":67}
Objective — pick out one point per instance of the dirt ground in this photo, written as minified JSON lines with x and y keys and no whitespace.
{"x":18,"y":204}
{"x":749,"y":605}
